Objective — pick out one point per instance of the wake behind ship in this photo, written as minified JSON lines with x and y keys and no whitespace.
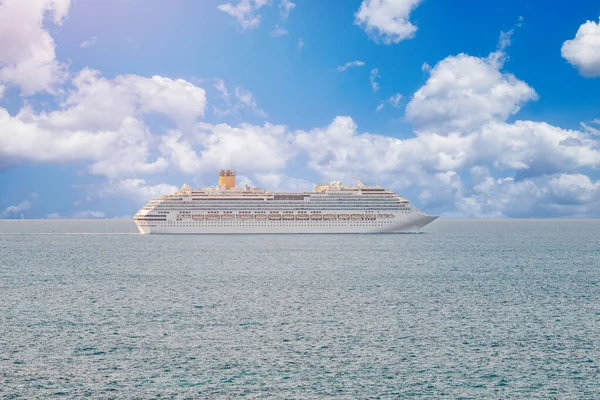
{"x":332,"y":208}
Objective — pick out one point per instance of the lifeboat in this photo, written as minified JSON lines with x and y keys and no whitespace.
{"x":356,"y":216}
{"x":245,"y":216}
{"x":226,"y":216}
{"x":370,"y":216}
{"x":302,"y":216}
{"x":212,"y":217}
{"x":289,"y":216}
{"x":328,"y":216}
{"x":198,"y":216}
{"x":316,"y":217}
{"x":275,"y":217}
{"x":343,"y":216}
{"x":260,"y":216}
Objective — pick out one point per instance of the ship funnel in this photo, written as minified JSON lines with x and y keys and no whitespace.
{"x":227,"y":178}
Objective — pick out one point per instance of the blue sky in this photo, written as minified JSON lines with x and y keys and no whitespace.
{"x":471,"y":109}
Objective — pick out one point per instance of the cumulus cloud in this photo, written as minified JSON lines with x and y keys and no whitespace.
{"x":89,"y":214}
{"x":433,"y":162}
{"x":181,"y":153}
{"x":27,"y":51}
{"x":583,"y":52}
{"x":356,"y":63}
{"x":30,"y":137}
{"x":247,"y":147}
{"x":464,"y":93}
{"x":387,"y":21}
{"x":280,"y":182}
{"x":100,"y":102}
{"x":17,"y":210}
{"x":137,"y":190}
{"x":89,"y":42}
{"x":245,"y":12}
{"x":279,"y":31}
{"x":523,"y":145}
{"x":101,"y":121}
{"x":558,"y":195}
{"x":285,"y":8}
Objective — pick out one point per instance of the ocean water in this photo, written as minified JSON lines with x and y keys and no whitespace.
{"x":468,"y":309}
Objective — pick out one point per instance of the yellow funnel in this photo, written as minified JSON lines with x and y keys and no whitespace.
{"x":227,"y":178}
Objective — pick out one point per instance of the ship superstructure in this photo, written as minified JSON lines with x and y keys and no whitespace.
{"x":332,"y":208}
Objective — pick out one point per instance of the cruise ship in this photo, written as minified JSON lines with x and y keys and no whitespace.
{"x":332,"y":208}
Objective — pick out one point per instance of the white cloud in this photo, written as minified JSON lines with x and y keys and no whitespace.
{"x":29,"y":137}
{"x":180,"y":152}
{"x":464,"y":93}
{"x":245,"y":12}
{"x":54,"y":216}
{"x":248,"y":148}
{"x":373,"y":78}
{"x":101,"y":121}
{"x":590,"y":129}
{"x":535,"y":147}
{"x":136,"y":190}
{"x":387,"y":21}
{"x":279,"y":31}
{"x":27,"y":51}
{"x":433,"y":162}
{"x":247,"y":100}
{"x":286,"y":7}
{"x":17,"y":210}
{"x":339,"y":150}
{"x":88,"y":214}
{"x":89,"y":42}
{"x":441,"y":189}
{"x":583,"y":52}
{"x":356,"y":63}
{"x":274,"y":181}
{"x":558,"y":195}
{"x":243,"y":100}
{"x":300,"y":44}
{"x":97,"y":102}
{"x":220,"y":86}
{"x":177,"y":99}
{"x":394,"y":101}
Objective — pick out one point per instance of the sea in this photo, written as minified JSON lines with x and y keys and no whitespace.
{"x":468,"y":309}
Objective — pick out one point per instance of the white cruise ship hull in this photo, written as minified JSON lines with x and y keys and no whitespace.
{"x":409,"y":222}
{"x":229,"y":209}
